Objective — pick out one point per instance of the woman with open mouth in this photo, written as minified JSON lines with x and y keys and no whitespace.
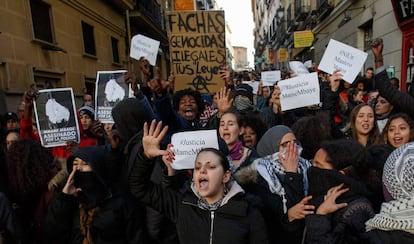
{"x":213,"y":210}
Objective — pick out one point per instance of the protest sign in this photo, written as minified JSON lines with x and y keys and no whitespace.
{"x":254,"y":84}
{"x":55,"y":114}
{"x":269,"y":78}
{"x":142,"y":46}
{"x":186,"y":145}
{"x":298,"y":68}
{"x":347,"y":59}
{"x":197,"y":49}
{"x":110,"y":90}
{"x":299,"y":91}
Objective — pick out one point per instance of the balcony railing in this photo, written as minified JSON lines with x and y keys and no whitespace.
{"x":302,"y":9}
{"x":152,"y":10}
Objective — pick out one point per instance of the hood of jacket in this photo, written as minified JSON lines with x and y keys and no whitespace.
{"x":130,"y":115}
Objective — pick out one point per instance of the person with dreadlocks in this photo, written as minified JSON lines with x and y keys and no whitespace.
{"x":86,"y":211}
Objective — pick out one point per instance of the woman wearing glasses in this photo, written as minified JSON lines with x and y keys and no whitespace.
{"x":279,"y":180}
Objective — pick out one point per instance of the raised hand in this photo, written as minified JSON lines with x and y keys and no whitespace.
{"x":152,"y":139}
{"x":290,"y":159}
{"x":335,"y":79}
{"x":168,"y":159}
{"x":97,"y":129}
{"x":224,"y":102}
{"x":70,"y":187}
{"x":301,"y":209}
{"x":377,"y":46}
{"x":329,"y":204}
{"x":144,"y":66}
{"x":131,"y":79}
{"x":225,"y":74}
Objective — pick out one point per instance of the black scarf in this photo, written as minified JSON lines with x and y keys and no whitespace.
{"x":93,"y":190}
{"x":321,"y":180}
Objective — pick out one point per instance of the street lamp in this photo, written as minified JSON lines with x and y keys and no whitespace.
{"x":280,"y":12}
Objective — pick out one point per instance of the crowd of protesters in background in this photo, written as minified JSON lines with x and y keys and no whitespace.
{"x":337,"y":172}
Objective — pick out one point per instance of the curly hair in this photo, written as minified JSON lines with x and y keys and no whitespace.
{"x":343,"y":153}
{"x":255,"y":123}
{"x":309,"y":131}
{"x":30,"y":167}
{"x":384,"y":135}
{"x":188,"y":92}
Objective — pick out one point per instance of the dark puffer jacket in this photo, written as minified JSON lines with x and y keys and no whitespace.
{"x":346,"y":225}
{"x":236,"y":221}
{"x":117,"y":220}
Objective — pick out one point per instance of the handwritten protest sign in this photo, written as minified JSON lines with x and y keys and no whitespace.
{"x":298,"y":68}
{"x":299,"y":91}
{"x":197,"y":49}
{"x":110,"y":90}
{"x":269,"y":78}
{"x":186,"y":145}
{"x":56,"y":117}
{"x":142,"y":46}
{"x":343,"y":57}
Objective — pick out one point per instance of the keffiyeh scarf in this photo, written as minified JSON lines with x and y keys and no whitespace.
{"x":270,"y":168}
{"x":394,"y":215}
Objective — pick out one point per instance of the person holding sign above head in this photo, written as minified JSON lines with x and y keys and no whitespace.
{"x":214,"y":210}
{"x":404,"y":101}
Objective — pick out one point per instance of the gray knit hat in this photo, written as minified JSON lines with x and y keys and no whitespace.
{"x":398,"y":175}
{"x":269,"y":143}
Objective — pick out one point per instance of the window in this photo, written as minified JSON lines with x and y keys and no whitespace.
{"x":41,"y":21}
{"x":47,"y":79}
{"x":115,"y":51}
{"x":90,"y":86}
{"x":46,"y":82}
{"x":88,"y":39}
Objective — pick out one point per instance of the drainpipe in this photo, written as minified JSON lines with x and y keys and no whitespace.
{"x":128,"y":38}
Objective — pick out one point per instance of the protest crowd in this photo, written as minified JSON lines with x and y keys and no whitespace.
{"x":339,"y":171}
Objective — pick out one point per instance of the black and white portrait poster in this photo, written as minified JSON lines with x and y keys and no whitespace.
{"x":110,"y":90}
{"x":56,"y":117}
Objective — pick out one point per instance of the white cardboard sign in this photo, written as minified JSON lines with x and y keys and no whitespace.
{"x":347,"y":59}
{"x":299,"y":91}
{"x":298,"y":68}
{"x":186,"y":146}
{"x":142,"y":46}
{"x":269,"y":78}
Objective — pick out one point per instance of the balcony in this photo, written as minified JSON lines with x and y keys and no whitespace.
{"x":324,"y":10}
{"x":302,"y":9}
{"x":124,"y":4}
{"x":149,"y":16}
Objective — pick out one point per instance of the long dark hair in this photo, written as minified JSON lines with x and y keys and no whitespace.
{"x":373,"y":134}
{"x":384,"y":135}
{"x":30,"y":168}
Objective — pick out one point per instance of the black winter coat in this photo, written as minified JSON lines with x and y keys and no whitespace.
{"x":388,"y":237}
{"x":237,"y":221}
{"x":279,"y":229}
{"x":117,"y":221}
{"x":404,"y":102}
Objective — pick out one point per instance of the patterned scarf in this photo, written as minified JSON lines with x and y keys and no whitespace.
{"x":394,"y":215}
{"x":210,"y":207}
{"x":236,"y":152}
{"x":270,"y":168}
